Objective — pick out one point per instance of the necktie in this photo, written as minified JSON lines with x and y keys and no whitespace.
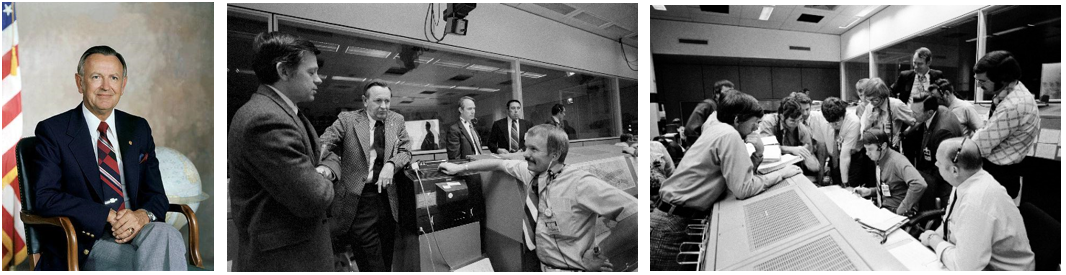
{"x":918,"y":88}
{"x":530,"y":226}
{"x":514,"y":136}
{"x":950,"y":211}
{"x":474,"y":138}
{"x":379,"y":150}
{"x":108,"y":162}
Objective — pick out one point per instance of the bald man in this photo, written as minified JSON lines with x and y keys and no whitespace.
{"x":983,"y":230}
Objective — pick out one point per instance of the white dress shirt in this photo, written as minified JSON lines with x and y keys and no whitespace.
{"x":93,"y":122}
{"x":986,"y":229}
{"x":473,"y":135}
{"x":286,"y":99}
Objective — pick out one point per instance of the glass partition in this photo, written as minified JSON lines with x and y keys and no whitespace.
{"x":627,"y":91}
{"x":855,"y":69}
{"x":241,"y":28}
{"x":587,"y":100}
{"x":1033,"y":35}
{"x":954,"y":53}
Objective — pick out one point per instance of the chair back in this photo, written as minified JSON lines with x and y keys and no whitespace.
{"x":25,"y":153}
{"x":1045,"y":233}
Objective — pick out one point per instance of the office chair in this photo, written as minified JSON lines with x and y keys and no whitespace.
{"x":1045,"y":233}
{"x":24,"y":152}
{"x":922,"y":221}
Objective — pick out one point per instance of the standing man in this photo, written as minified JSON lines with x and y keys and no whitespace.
{"x":935,"y":124}
{"x":463,"y":139}
{"x":97,"y":166}
{"x":558,"y":119}
{"x":279,"y":199}
{"x":372,"y":144}
{"x":885,"y":113}
{"x":1014,"y":123}
{"x":982,"y":228}
{"x":703,"y":111}
{"x":915,"y":82}
{"x":562,"y":204}
{"x":963,"y":110}
{"x":843,"y":144}
{"x":509,"y":134}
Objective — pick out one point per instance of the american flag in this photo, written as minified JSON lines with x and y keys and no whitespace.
{"x":14,"y":244}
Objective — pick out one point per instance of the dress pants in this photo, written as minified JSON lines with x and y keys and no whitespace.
{"x":158,"y":246}
{"x":372,"y":232}
{"x":1007,"y":175}
{"x":667,"y":234}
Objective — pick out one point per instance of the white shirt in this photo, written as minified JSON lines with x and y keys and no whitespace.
{"x":93,"y":122}
{"x":373,"y":155}
{"x":286,"y":99}
{"x":987,"y":232}
{"x":472,"y":134}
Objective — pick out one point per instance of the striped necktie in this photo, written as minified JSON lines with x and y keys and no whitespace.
{"x":918,"y":88}
{"x":530,"y":226}
{"x":108,"y":163}
{"x":514,"y":136}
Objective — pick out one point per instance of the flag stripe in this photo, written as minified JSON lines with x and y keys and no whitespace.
{"x":12,"y":108}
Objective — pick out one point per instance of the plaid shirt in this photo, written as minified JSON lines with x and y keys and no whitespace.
{"x":1008,"y":135}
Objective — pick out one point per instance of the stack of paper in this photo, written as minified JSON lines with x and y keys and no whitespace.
{"x":785,"y":160}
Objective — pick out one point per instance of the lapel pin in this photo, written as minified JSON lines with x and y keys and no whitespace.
{"x":131,"y":142}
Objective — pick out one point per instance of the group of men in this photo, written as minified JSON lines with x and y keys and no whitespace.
{"x":296,"y":196}
{"x":909,"y":146}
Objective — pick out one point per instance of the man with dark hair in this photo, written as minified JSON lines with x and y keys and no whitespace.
{"x":279,"y":200}
{"x":508,"y":135}
{"x":558,"y":120}
{"x":982,"y":229}
{"x":899,"y":186}
{"x":843,"y":144}
{"x":463,"y":140}
{"x":1014,"y":122}
{"x":703,"y":111}
{"x":717,"y":163}
{"x":97,"y":166}
{"x":430,"y":141}
{"x":915,"y":81}
{"x":562,"y":204}
{"x":793,"y":135}
{"x":935,"y":124}
{"x":963,"y":110}
{"x":363,"y":216}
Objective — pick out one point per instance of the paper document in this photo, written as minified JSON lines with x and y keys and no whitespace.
{"x":786,"y":160}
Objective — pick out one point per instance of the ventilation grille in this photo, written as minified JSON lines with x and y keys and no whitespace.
{"x":822,"y":254}
{"x":692,"y":41}
{"x":715,"y":8}
{"x":563,"y":9}
{"x":777,"y":218}
{"x":798,"y":48}
{"x":590,"y":19}
{"x":460,"y":77}
{"x":822,"y":7}
{"x":810,"y":18}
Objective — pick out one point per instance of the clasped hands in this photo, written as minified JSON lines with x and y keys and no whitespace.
{"x":125,"y":223}
{"x":930,"y":238}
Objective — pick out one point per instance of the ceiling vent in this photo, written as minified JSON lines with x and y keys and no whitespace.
{"x":715,"y":8}
{"x":798,"y":48}
{"x":822,"y":7}
{"x":460,"y":77}
{"x":505,"y":83}
{"x":563,"y":9}
{"x":326,"y":46}
{"x":397,"y":70}
{"x":406,"y":101}
{"x":810,"y":18}
{"x":692,"y":41}
{"x":428,"y":92}
{"x":590,"y":19}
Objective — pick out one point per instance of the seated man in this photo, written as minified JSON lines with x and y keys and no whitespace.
{"x":718,"y":164}
{"x":794,"y":135}
{"x":983,"y":228}
{"x":97,"y":166}
{"x":563,"y":204}
{"x":899,"y":186}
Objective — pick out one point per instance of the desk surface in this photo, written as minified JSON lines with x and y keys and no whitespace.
{"x":908,"y":250}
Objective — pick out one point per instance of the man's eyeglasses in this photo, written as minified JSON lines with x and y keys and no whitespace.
{"x":959,"y":151}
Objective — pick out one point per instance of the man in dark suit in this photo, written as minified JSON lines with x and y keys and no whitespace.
{"x":98,"y":167}
{"x":915,"y":82}
{"x":509,"y":134}
{"x":279,"y":200}
{"x":430,"y":141}
{"x":558,"y":119}
{"x":935,"y":124}
{"x":463,"y":139}
{"x":373,"y":144}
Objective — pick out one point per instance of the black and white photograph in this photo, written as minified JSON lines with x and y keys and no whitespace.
{"x":855,"y":137}
{"x":431,"y":137}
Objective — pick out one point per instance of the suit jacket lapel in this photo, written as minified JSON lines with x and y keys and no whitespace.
{"x":269,"y":93}
{"x":82,"y":148}
{"x":390,"y":143}
{"x":312,"y":138}
{"x":366,"y":138}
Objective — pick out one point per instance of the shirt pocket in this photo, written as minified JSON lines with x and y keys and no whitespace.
{"x":557,"y":220}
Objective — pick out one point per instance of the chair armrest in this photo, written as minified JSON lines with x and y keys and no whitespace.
{"x":68,"y":232}
{"x":194,"y":233}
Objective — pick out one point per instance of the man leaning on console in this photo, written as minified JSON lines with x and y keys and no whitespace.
{"x":297,"y":196}
{"x":908,"y":147}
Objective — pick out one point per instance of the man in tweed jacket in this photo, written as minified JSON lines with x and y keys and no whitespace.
{"x":373,"y":146}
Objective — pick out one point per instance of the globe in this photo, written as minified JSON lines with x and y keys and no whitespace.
{"x":181,"y":181}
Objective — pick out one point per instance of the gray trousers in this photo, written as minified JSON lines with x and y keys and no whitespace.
{"x":158,"y":246}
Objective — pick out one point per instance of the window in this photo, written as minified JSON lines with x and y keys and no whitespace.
{"x":855,"y":69}
{"x":241,"y":28}
{"x":587,"y":99}
{"x":954,"y":54}
{"x":1032,"y":35}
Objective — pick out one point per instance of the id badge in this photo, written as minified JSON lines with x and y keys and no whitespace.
{"x":927,"y":154}
{"x":884,"y":190}
{"x":553,"y":227}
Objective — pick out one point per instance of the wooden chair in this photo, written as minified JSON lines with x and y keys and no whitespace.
{"x":25,"y":152}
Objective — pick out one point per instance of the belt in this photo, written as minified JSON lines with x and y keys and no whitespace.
{"x":548,"y":268}
{"x":678,"y":210}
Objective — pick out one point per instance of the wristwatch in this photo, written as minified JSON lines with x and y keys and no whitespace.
{"x":151,"y":217}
